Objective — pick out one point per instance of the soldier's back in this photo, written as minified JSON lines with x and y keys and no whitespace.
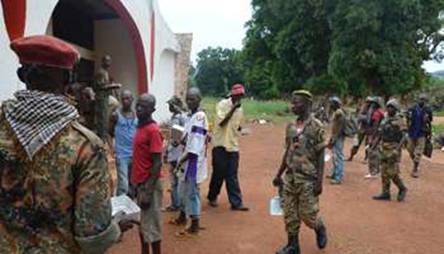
{"x":40,"y":198}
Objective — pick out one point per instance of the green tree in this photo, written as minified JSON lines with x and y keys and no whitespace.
{"x":379,"y":46}
{"x":287,"y":43}
{"x":217,"y":70}
{"x":351,"y":47}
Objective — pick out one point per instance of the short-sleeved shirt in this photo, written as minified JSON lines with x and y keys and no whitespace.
{"x":148,"y":140}
{"x":303,"y":159}
{"x":228,"y":135}
{"x":196,"y":130}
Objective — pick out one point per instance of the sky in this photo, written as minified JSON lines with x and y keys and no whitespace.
{"x":218,"y":23}
{"x":213,"y":22}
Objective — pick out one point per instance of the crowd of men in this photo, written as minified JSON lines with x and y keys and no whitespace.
{"x":55,"y":184}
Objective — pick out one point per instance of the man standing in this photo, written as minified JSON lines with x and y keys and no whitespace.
{"x":420,"y":119}
{"x":363,"y":121}
{"x":303,"y":164}
{"x":102,"y":88}
{"x":391,"y":133}
{"x":174,"y":151}
{"x":376,"y":116}
{"x":192,"y":166}
{"x":123,"y":125}
{"x":146,"y":173}
{"x":337,"y":140}
{"x":54,"y":183}
{"x":229,"y":116}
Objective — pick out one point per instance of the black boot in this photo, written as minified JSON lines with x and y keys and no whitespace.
{"x":292,"y":246}
{"x":194,"y":227}
{"x":155,"y":246}
{"x":382,"y":196}
{"x":402,"y":193}
{"x":321,"y":237}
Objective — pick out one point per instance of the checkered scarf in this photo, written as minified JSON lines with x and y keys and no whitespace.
{"x":36,"y":117}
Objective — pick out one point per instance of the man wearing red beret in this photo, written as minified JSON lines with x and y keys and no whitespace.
{"x":229,"y":116}
{"x":54,"y":183}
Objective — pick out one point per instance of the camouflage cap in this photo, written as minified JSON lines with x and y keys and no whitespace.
{"x":304,"y":93}
{"x":394,"y":103}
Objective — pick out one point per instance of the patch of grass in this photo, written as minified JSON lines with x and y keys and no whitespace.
{"x":437,"y":129}
{"x":275,"y":110}
{"x":439,"y":113}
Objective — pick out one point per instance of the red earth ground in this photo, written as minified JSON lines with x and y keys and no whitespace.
{"x":356,"y":223}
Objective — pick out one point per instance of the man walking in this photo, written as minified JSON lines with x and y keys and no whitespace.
{"x":146,"y":173}
{"x":192,"y":167}
{"x":229,"y":116}
{"x":123,"y":127}
{"x":363,"y":122}
{"x":391,"y":133}
{"x":420,"y":119}
{"x":54,"y":182}
{"x":376,"y":117}
{"x":303,"y":164}
{"x":337,"y":140}
{"x":174,"y":151}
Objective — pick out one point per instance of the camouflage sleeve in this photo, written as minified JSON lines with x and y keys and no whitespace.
{"x":320,"y":139}
{"x":290,"y":133}
{"x":94,"y":229}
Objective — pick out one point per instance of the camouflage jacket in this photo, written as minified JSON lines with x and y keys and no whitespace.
{"x":305,"y":148}
{"x":58,"y":202}
{"x":391,"y":130}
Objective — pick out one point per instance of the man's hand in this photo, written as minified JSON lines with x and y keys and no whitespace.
{"x":277,"y":181}
{"x":236,"y":105}
{"x":125,"y":225}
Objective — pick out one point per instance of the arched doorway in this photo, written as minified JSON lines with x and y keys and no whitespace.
{"x":97,"y":28}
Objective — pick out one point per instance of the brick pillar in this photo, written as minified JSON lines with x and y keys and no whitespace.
{"x":183,"y":64}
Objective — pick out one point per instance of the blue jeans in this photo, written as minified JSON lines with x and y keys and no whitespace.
{"x":338,"y":159}
{"x":174,"y":185}
{"x":123,"y":171}
{"x":190,"y":197}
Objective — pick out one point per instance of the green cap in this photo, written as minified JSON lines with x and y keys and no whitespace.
{"x":304,"y":93}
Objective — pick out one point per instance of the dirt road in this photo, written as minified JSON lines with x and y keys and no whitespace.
{"x":356,"y":223}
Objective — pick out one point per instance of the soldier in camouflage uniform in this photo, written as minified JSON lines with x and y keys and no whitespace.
{"x":391,"y":136}
{"x":54,"y":183}
{"x":303,"y":164}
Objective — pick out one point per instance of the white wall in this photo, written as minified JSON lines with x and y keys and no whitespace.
{"x":163,"y":84}
{"x":112,"y":37}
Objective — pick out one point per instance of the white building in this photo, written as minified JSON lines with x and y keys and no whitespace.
{"x":147,"y":55}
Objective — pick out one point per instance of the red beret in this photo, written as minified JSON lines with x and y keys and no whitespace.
{"x":45,"y":50}
{"x":238,"y":89}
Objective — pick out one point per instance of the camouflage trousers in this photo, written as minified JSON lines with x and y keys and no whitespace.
{"x":373,"y":160}
{"x":390,"y":171}
{"x":299,"y":204}
{"x":416,"y":148}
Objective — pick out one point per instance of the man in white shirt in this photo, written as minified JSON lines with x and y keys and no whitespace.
{"x":192,"y":166}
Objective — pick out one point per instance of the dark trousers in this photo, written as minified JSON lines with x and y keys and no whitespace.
{"x":225,"y":167}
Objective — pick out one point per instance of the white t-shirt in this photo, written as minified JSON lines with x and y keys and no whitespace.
{"x":196,"y":131}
